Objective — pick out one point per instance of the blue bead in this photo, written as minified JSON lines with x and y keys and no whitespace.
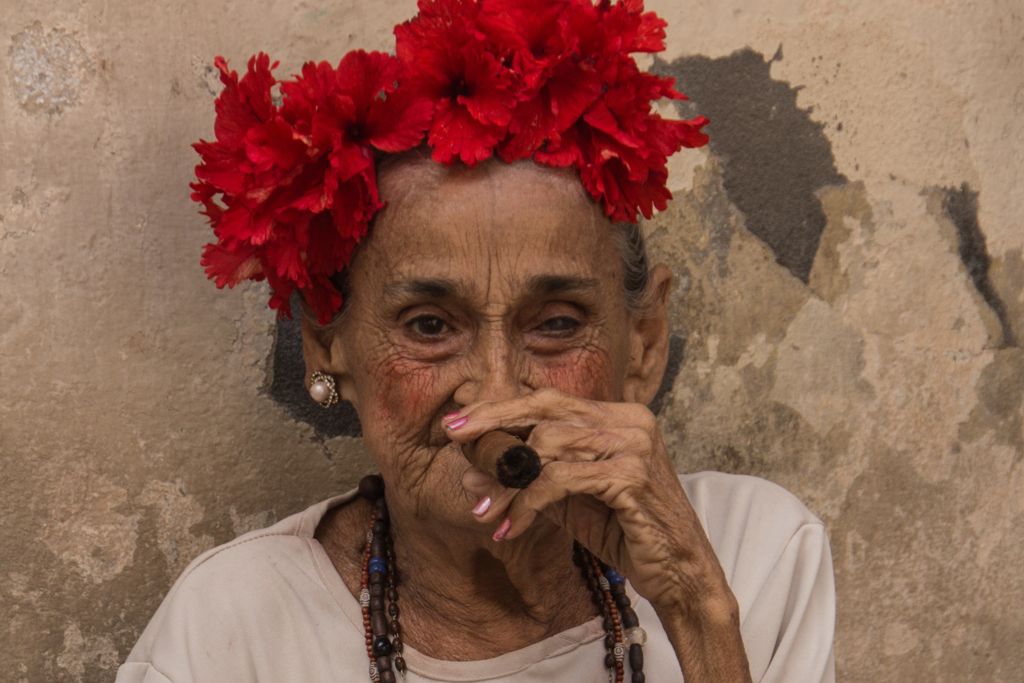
{"x":614,"y":577}
{"x":377,"y":564}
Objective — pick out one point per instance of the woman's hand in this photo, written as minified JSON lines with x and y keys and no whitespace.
{"x":608,"y":480}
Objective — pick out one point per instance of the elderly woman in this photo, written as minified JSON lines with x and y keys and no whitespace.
{"x":490,"y":280}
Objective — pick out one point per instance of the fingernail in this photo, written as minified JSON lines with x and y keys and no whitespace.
{"x":457,"y":423}
{"x":483,"y":506}
{"x":450,"y":416}
{"x":503,"y":529}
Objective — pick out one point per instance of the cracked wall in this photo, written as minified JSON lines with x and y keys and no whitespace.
{"x":847,"y":313}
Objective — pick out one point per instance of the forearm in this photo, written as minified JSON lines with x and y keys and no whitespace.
{"x":707,"y":640}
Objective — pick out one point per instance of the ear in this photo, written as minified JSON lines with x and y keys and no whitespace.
{"x":648,"y":345}
{"x":326,"y":353}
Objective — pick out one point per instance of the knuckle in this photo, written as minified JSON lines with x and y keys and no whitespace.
{"x":643,"y":418}
{"x":543,"y":434}
{"x":545,"y":395}
{"x":643,"y":440}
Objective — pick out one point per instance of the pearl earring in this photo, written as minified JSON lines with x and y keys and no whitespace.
{"x":323,"y":390}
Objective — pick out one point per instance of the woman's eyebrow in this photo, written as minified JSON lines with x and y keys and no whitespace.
{"x":432,"y":288}
{"x":559,"y":284}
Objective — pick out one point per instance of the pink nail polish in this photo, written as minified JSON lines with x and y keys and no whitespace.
{"x":503,"y":529}
{"x":451,"y":416}
{"x":483,"y":506}
{"x":457,"y":423}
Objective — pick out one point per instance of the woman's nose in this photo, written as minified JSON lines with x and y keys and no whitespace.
{"x":495,"y":372}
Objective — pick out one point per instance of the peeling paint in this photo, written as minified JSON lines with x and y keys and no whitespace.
{"x":47,"y":70}
{"x":962,"y":207}
{"x":819,"y":367}
{"x":86,"y":653}
{"x":177,"y":512}
{"x":243,"y":524}
{"x":86,"y":530}
{"x":775,"y":157}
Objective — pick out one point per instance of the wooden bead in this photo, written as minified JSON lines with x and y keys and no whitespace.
{"x":379,"y":624}
{"x":395,"y":627}
{"x":399,"y":664}
{"x":383,"y":664}
{"x":387,"y":677}
{"x":629,"y":618}
{"x":636,"y":657}
{"x":377,"y":590}
{"x":639,"y":677}
{"x":371,"y":487}
{"x":393,"y":610}
{"x":392,"y":594}
{"x":376,"y":604}
{"x":381,"y":646}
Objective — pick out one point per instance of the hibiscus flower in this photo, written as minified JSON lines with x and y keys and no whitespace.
{"x":452,"y":65}
{"x":557,"y":81}
{"x":298,"y":182}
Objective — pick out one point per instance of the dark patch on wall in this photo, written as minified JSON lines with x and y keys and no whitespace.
{"x":774,"y":156}
{"x":288,"y":388}
{"x":962,"y":207}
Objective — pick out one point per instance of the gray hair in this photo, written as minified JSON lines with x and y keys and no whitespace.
{"x":636,"y":266}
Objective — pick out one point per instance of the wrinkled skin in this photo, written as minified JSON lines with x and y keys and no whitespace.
{"x":492,"y":298}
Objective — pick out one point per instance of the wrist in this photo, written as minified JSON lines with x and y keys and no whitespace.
{"x":708,"y":612}
{"x":705,"y":634}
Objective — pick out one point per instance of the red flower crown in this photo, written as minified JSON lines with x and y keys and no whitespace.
{"x":550,"y":80}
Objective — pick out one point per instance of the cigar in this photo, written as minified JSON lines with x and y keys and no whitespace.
{"x":505,"y":457}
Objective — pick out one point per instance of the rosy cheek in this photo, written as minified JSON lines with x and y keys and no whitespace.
{"x":587,"y":374}
{"x":406,"y":392}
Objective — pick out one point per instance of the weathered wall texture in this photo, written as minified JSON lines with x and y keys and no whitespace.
{"x":849,"y":312}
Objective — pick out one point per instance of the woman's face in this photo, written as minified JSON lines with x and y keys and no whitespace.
{"x":476,"y":285}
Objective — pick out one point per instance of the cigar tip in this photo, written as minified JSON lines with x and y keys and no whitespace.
{"x":518,"y":467}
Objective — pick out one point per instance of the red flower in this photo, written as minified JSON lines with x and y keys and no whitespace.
{"x":557,"y":81}
{"x":450,"y":64}
{"x":298,"y":182}
{"x":290,"y":191}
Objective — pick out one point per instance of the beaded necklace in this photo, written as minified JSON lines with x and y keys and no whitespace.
{"x":378,"y":598}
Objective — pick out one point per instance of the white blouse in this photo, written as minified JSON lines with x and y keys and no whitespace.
{"x":270,"y":607}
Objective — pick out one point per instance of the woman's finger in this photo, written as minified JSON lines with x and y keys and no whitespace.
{"x":558,"y":441}
{"x":522,"y":412}
{"x":492,"y":498}
{"x":544,"y":405}
{"x":609,"y":481}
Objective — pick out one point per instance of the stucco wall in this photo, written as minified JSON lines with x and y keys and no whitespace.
{"x":849,"y":312}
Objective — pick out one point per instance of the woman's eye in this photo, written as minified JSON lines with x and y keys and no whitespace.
{"x":561,"y":324}
{"x":429,"y":326}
